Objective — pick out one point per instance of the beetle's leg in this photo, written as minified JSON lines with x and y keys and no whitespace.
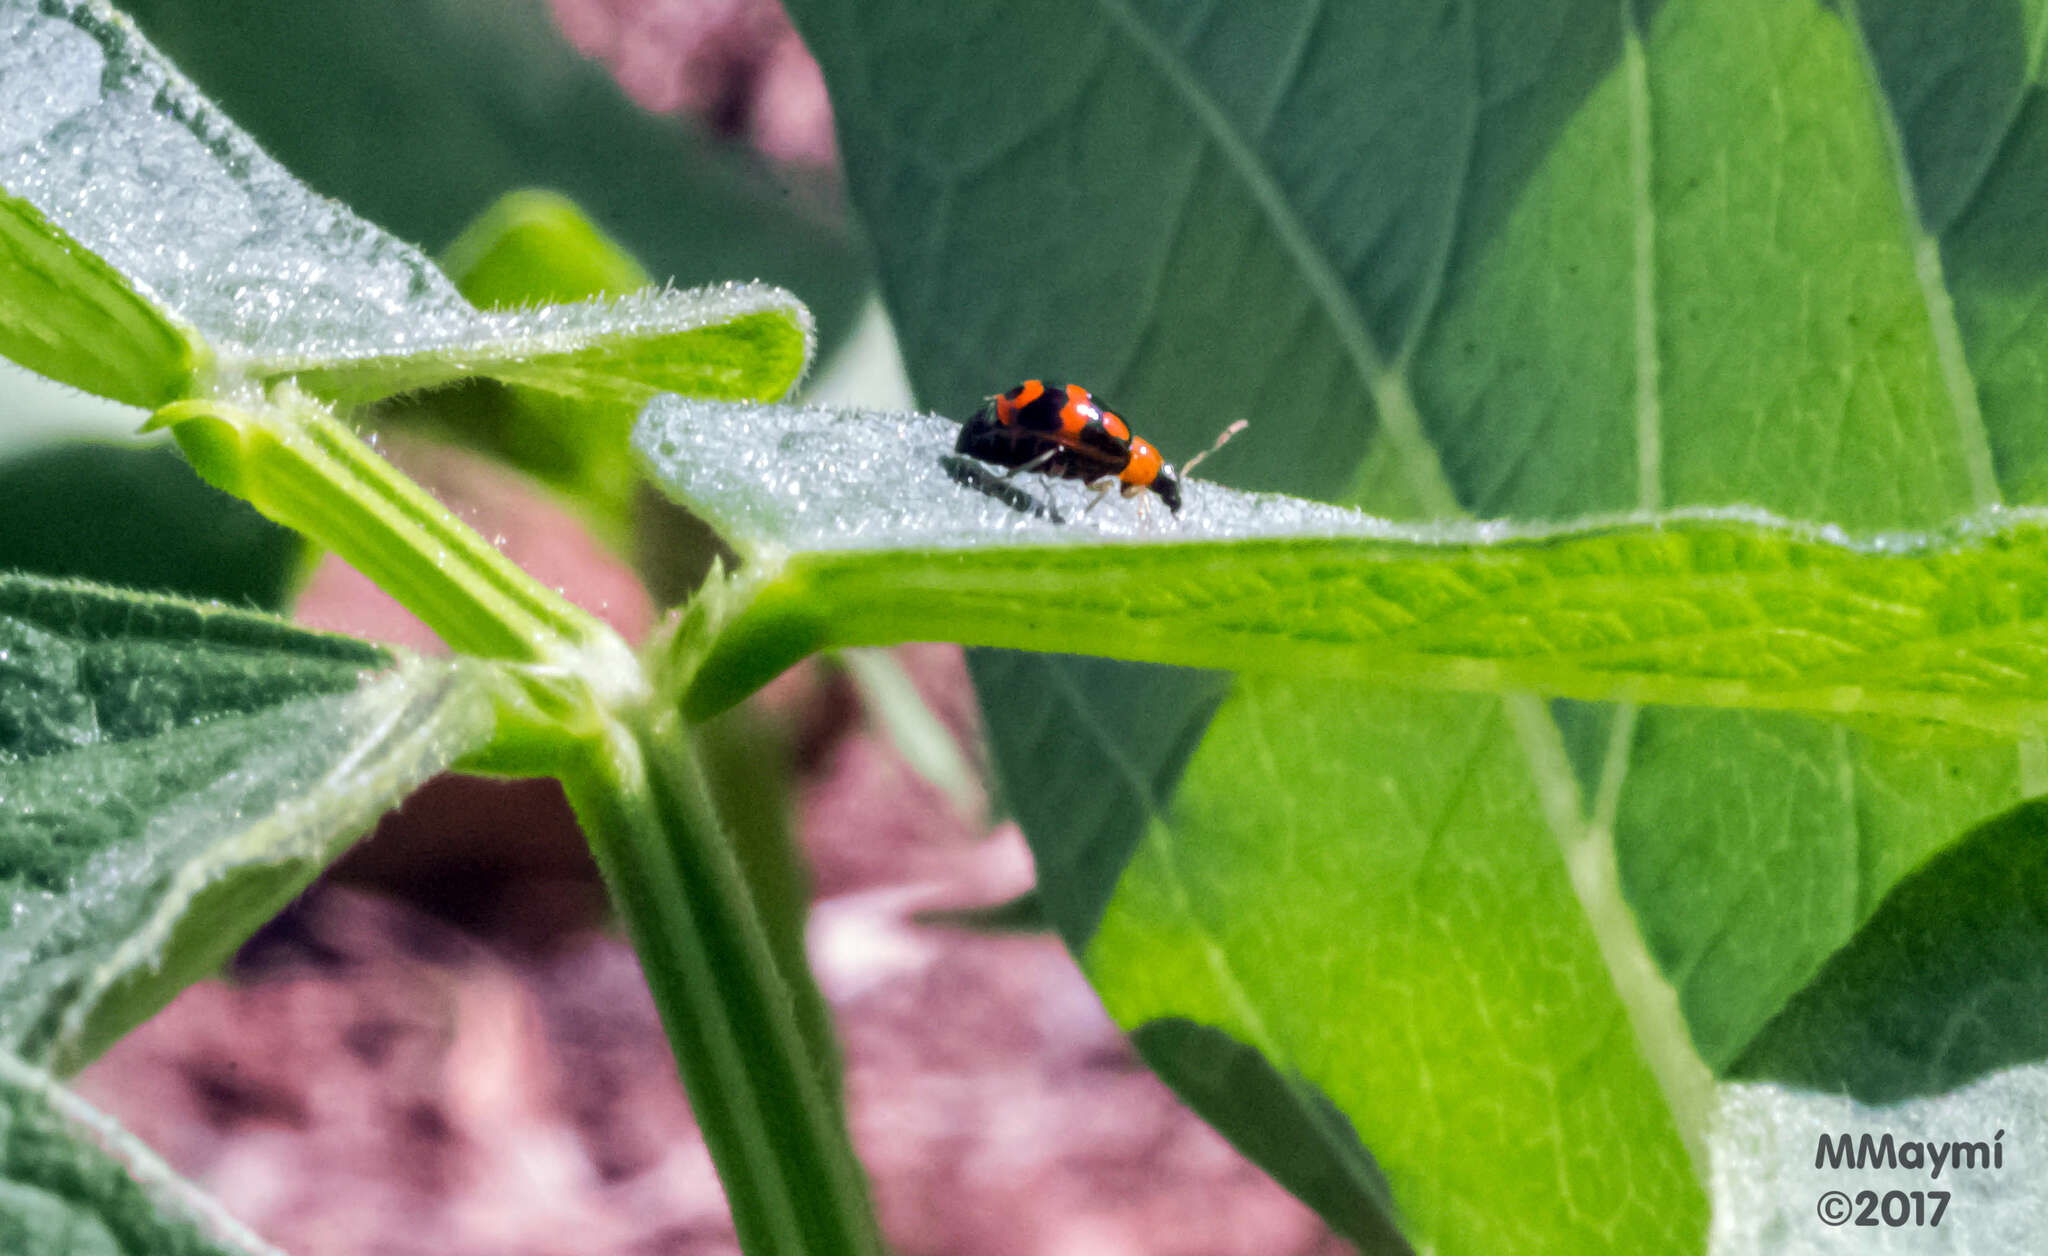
{"x":1034,"y":464}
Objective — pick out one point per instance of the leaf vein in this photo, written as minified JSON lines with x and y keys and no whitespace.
{"x":1398,"y":416}
{"x":1649,"y":398}
{"x":1973,"y":439}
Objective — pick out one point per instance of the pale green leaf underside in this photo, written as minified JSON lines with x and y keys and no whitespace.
{"x":173,"y":775}
{"x":736,"y":341}
{"x":1767,"y":1186}
{"x":73,"y":1182}
{"x":863,"y":534}
{"x":119,"y":173}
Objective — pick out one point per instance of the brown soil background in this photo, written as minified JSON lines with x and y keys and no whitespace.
{"x":445,"y":1048}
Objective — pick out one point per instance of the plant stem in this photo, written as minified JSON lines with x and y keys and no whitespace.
{"x":759,"y":1093}
{"x":782,"y":1151}
{"x":298,"y":464}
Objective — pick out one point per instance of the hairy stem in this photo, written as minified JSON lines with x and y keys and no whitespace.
{"x":298,"y":464}
{"x":762,"y":1100}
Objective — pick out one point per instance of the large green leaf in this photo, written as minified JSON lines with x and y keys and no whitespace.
{"x":126,"y":185}
{"x":1308,"y":1136}
{"x":136,"y":516}
{"x":174,"y":773}
{"x":1431,"y":941}
{"x":1524,"y":260}
{"x":1943,"y":984}
{"x":73,"y":1183}
{"x":531,"y":247}
{"x":420,"y":113}
{"x":1725,"y":822}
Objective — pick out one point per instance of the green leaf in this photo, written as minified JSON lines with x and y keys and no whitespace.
{"x":1148,"y":738}
{"x":73,"y":1183}
{"x":1528,"y":261}
{"x":528,"y":248}
{"x":420,"y":113}
{"x":859,"y":531}
{"x":532,"y":247}
{"x":124,"y":157}
{"x":1754,"y":846}
{"x":175,"y":774}
{"x":1962,"y":87}
{"x":137,"y":517}
{"x":968,"y":564}
{"x":1878,"y":418}
{"x":1943,"y":984}
{"x":66,"y":314}
{"x":1290,"y":1127}
{"x":122,"y":154}
{"x":735,"y":341}
{"x":1393,"y":926}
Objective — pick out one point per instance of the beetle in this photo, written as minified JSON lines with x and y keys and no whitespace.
{"x":1065,"y":431}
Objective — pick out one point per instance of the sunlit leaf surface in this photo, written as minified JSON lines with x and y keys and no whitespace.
{"x":1536,"y":261}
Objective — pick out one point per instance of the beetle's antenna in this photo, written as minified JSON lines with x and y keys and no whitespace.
{"x":1221,"y":441}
